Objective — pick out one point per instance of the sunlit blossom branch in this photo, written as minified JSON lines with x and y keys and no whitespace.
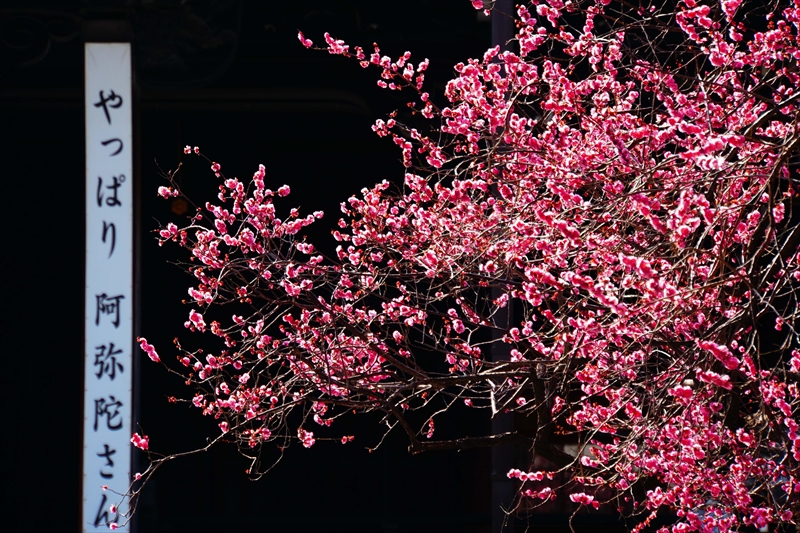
{"x":598,"y":232}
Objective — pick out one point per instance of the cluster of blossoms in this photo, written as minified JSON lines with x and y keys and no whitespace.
{"x":602,"y":236}
{"x":140,"y":441}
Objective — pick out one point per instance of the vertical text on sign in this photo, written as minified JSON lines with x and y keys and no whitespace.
{"x":108,"y":303}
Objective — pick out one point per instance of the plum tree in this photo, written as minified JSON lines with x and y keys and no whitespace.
{"x":598,"y":231}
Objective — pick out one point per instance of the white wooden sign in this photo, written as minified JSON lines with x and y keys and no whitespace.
{"x":108,"y":372}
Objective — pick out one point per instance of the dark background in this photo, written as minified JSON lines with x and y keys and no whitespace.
{"x":231,"y":77}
